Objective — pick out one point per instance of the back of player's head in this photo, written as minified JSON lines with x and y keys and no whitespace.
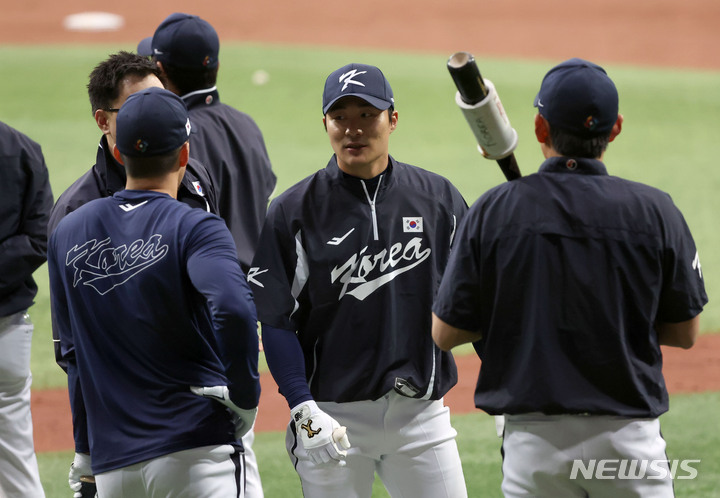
{"x":578,"y":97}
{"x":184,"y":41}
{"x":188,"y":48}
{"x":358,"y":80}
{"x":105,"y":80}
{"x":152,"y":126}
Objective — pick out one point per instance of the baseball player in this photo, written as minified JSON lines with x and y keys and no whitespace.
{"x":185,"y":50}
{"x":568,"y":281}
{"x":227,"y":141}
{"x":24,"y":208}
{"x":156,"y":324}
{"x":346,"y":269}
{"x":110,"y":84}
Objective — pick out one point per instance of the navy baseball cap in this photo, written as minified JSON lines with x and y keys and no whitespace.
{"x":358,"y":80}
{"x":185,"y":41}
{"x":578,"y":97}
{"x":152,"y":122}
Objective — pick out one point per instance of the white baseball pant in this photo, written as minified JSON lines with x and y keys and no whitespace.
{"x":253,"y":484}
{"x":205,"y":472}
{"x":540,"y":452}
{"x":408,"y":442}
{"x":19,"y":475}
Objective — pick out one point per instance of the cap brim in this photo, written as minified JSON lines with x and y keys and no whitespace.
{"x":373,"y":101}
{"x":145,"y":46}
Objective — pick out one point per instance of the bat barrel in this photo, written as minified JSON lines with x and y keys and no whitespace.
{"x":467,"y":77}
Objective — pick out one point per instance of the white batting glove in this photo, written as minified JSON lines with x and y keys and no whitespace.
{"x":81,"y":475}
{"x":323,"y":438}
{"x":242,"y":419}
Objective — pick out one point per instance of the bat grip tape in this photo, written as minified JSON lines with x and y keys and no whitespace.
{"x":489,"y":123}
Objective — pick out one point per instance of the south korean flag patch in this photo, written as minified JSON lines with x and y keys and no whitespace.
{"x":413,"y":224}
{"x":198,"y":188}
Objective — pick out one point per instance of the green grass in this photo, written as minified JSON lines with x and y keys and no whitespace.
{"x":689,"y":429}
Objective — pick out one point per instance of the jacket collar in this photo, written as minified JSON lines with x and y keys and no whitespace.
{"x":111,"y":178}
{"x":353,"y":182}
{"x":206,"y":97}
{"x":109,"y":174}
{"x":574,"y":165}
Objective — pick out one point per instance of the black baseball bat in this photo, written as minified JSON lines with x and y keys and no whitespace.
{"x":88,"y":489}
{"x":472,"y":89}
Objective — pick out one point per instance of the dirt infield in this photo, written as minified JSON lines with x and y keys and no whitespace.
{"x":696,"y":370}
{"x":649,"y":32}
{"x":643,"y":32}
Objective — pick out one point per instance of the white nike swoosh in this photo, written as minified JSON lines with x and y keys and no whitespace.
{"x":130,"y":207}
{"x":336,"y":241}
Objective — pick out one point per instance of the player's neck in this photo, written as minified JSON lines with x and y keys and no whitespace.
{"x":365,"y":171}
{"x":165,"y":185}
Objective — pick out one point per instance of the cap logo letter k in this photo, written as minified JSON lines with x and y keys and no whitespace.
{"x":348,"y":78}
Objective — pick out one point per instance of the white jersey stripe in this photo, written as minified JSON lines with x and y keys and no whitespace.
{"x":302,"y":271}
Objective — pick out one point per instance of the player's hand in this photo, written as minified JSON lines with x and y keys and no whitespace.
{"x":80,"y":477}
{"x":243,"y":419}
{"x":323,"y":438}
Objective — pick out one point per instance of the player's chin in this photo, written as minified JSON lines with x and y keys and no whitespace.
{"x":354,"y":151}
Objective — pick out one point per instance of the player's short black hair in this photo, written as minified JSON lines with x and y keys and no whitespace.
{"x":190,"y":80}
{"x":104,"y":85}
{"x":150,"y":167}
{"x":570,"y":145}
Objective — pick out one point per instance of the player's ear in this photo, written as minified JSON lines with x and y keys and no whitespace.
{"x":325,"y":122}
{"x":617,"y":127}
{"x":393,"y":120}
{"x":116,"y":154}
{"x":102,"y":120}
{"x":184,"y":154}
{"x":542,"y":132}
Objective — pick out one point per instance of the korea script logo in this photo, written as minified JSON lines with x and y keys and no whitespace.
{"x":366,"y":273}
{"x":103,"y":267}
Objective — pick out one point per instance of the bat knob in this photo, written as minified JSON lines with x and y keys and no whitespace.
{"x":339,"y":435}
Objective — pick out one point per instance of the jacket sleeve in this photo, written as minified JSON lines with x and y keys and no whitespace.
{"x":65,"y":349}
{"x":214,"y":271}
{"x":25,"y":250}
{"x":287,"y":364}
{"x":279,"y":271}
{"x":683,"y":293}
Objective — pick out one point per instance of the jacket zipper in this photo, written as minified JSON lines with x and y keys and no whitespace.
{"x":376,"y":235}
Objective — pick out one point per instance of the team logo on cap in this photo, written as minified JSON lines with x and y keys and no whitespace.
{"x":141,"y":145}
{"x":591,"y":123}
{"x":207,"y":61}
{"x":348,"y":78}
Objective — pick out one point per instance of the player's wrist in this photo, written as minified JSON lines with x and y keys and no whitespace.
{"x":304,"y":411}
{"x":309,"y":404}
{"x":81,"y":466}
